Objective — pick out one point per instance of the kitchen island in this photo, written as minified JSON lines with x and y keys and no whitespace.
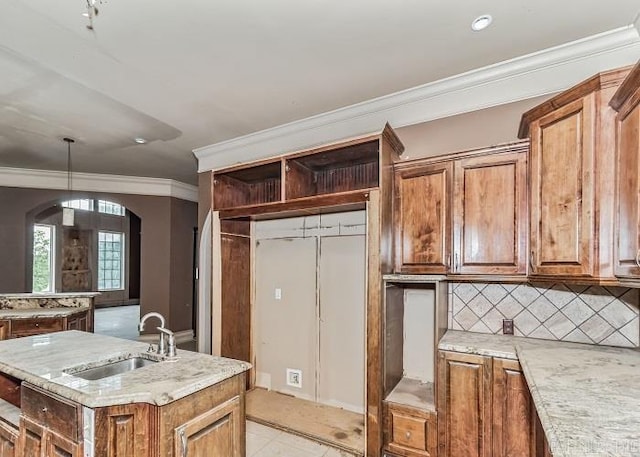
{"x":69,"y":402}
{"x":26,"y":314}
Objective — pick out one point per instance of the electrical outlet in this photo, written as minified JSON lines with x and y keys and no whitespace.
{"x":294,"y":378}
{"x":507,"y":326}
{"x":278,"y":294}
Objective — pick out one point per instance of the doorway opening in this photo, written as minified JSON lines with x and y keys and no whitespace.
{"x":309,"y":327}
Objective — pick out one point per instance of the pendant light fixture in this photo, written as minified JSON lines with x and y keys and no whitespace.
{"x":68,"y":213}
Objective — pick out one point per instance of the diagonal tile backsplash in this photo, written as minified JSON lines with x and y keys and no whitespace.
{"x":582,"y":314}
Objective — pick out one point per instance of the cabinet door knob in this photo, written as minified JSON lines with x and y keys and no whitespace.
{"x":44,"y":410}
{"x":37,"y":324}
{"x":408,"y":435}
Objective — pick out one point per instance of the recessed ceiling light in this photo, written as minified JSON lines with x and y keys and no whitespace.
{"x":140,"y":140}
{"x":481,"y":22}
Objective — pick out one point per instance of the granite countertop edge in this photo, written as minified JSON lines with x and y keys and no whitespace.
{"x":36,"y":313}
{"x":546,"y":421}
{"x":37,"y":295}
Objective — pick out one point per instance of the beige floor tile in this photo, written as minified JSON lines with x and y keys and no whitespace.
{"x":262,"y":430}
{"x":255,"y":443}
{"x":295,"y":442}
{"x":278,"y":449}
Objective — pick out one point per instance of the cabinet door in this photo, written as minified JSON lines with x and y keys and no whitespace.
{"x":31,"y":439}
{"x":422,"y":220}
{"x":627,"y":252}
{"x":123,"y":431}
{"x":58,"y":446}
{"x":562,"y":200}
{"x":78,"y":322}
{"x":216,"y":432}
{"x":464,"y":405}
{"x":5,"y":330}
{"x":490,"y":214}
{"x":512,"y":411}
{"x":8,"y":440}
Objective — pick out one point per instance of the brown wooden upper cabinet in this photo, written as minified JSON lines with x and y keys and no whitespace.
{"x":626,"y":102}
{"x":465,"y":213}
{"x":490,"y":214}
{"x":571,"y":174}
{"x":423,"y":226}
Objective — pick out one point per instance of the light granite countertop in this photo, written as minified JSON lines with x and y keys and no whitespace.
{"x":33,"y":313}
{"x":502,"y":346}
{"x":587,"y":396}
{"x":45,"y":360}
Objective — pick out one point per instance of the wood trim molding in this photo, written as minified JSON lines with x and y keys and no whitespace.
{"x":94,"y":182}
{"x":544,"y":72}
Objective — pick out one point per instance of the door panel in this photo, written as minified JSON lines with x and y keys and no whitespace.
{"x":562,"y":202}
{"x":628,"y":181}
{"x":286,"y":328}
{"x":423,"y":219}
{"x":490,"y":214}
{"x":342,"y":304}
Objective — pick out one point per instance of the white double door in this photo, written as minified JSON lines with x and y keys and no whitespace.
{"x":310,"y":316}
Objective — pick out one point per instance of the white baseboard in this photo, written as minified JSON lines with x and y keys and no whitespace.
{"x":183,"y":336}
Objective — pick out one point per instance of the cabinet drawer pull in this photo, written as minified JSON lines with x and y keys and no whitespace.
{"x":45,"y":409}
{"x":183,"y":438}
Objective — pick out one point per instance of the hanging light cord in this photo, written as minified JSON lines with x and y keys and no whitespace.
{"x":69,"y":180}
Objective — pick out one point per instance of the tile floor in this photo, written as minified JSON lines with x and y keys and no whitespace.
{"x":119,"y":321}
{"x":265,"y":441}
{"x":262,"y":441}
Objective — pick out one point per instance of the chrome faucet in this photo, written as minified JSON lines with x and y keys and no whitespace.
{"x":170,"y":349}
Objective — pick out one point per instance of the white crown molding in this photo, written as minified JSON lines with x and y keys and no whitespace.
{"x":540,"y":73}
{"x":94,"y":182}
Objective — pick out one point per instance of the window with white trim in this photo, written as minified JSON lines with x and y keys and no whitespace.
{"x":110,"y":260}
{"x":43,"y":258}
{"x":107,"y":207}
{"x":85,"y":204}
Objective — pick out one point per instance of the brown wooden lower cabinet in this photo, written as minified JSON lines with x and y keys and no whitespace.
{"x":18,"y":328}
{"x":410,"y":432}
{"x":216,"y":429}
{"x":210,"y":422}
{"x":485,"y":409}
{"x":31,"y":438}
{"x":8,"y":440}
{"x":5,"y":329}
{"x":464,"y":405}
{"x":513,"y":411}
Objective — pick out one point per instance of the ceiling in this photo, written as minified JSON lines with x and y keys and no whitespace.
{"x":189,"y":73}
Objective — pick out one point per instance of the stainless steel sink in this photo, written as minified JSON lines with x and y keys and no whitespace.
{"x":112,"y":369}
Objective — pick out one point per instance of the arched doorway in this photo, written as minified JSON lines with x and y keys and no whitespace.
{"x":99,"y":252}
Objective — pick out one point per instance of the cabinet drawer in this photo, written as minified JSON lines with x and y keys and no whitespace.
{"x":27,"y":327}
{"x":411,"y":432}
{"x":48,"y":409}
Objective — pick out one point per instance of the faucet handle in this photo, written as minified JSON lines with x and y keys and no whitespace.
{"x":171,"y":344}
{"x":166,"y":331}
